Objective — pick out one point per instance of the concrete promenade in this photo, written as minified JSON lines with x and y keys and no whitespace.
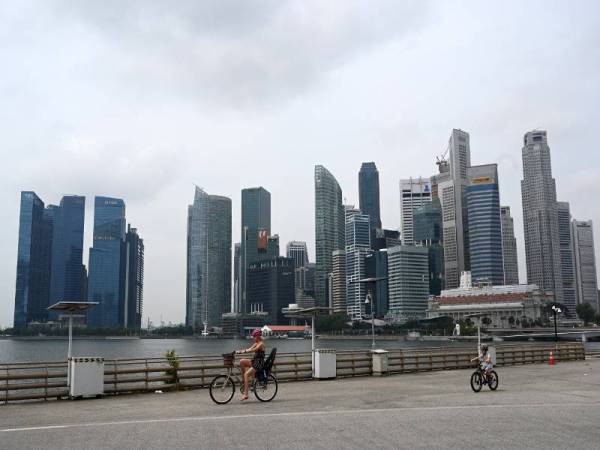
{"x":536,"y":406}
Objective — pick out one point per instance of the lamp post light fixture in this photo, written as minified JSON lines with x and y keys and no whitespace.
{"x":556,"y":310}
{"x":369,"y":300}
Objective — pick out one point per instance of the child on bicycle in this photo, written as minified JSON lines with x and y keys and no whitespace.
{"x":485,"y":360}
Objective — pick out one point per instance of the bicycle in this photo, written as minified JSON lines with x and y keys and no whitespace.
{"x":222,"y":387}
{"x":480,"y":377}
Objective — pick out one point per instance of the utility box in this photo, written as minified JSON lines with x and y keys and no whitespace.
{"x":380,"y":362}
{"x":324,"y":363}
{"x":86,"y":377}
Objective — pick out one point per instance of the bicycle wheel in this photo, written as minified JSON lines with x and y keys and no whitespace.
{"x":222,"y":389}
{"x":265,"y":390}
{"x":493,"y":380}
{"x":476,"y":381}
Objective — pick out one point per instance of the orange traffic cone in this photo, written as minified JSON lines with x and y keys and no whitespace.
{"x":551,"y":359}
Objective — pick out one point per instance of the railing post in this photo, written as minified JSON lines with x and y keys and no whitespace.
{"x":6,"y":392}
{"x":146,"y":374}
{"x":46,"y":383}
{"x":115,"y":376}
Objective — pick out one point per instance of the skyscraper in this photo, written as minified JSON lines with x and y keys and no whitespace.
{"x":376,"y":266}
{"x":358,"y":246}
{"x":540,"y":217}
{"x":585,"y":263}
{"x":485,"y":233}
{"x":368,"y":193}
{"x":66,"y":283}
{"x":256,"y":229}
{"x":236,"y":306}
{"x":33,"y":261}
{"x":106,"y":271}
{"x":298,"y":252}
{"x":450,"y":186}
{"x":271,"y":287}
{"x":329,"y":229}
{"x":566,"y":256}
{"x":509,"y":247}
{"x":408,"y":282}
{"x":414,"y":193}
{"x":208,"y":260}
{"x":428,"y":233}
{"x":133,"y":301}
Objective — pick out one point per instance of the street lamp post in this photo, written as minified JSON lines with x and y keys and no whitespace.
{"x":556,"y":310}
{"x":369,"y":299}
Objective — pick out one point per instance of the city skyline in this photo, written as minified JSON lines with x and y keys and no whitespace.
{"x":97,"y":132}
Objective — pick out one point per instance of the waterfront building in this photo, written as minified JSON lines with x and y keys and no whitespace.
{"x":329,"y":229}
{"x":337,"y":282}
{"x":509,"y":306}
{"x":450,"y":187}
{"x":358,"y":246}
{"x":376,"y":266}
{"x":566,"y":256}
{"x":509,"y":247}
{"x":368,"y":193}
{"x":540,"y":216}
{"x":67,"y":278}
{"x":585,"y":263}
{"x":414,"y":193}
{"x":408,"y":283}
{"x":32,"y":291}
{"x":106,"y":277}
{"x":256,"y":230}
{"x":271,"y":287}
{"x":485,"y":232}
{"x":428,"y":233}
{"x":208,"y":293}
{"x":133,"y":303}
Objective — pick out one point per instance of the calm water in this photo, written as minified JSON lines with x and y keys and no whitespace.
{"x":17,"y":350}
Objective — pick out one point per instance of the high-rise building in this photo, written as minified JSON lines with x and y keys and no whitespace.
{"x":485,"y":233}
{"x":566,"y":256}
{"x":428,"y":233}
{"x":32,"y":292}
{"x":298,"y":252}
{"x":450,"y":187}
{"x":208,"y":260}
{"x":67,"y":278}
{"x":385,"y":239}
{"x":337,"y":282}
{"x":414,"y":193}
{"x":368,"y":193}
{"x":329,"y":229}
{"x":408,"y":283}
{"x":540,"y":217}
{"x":585,"y":263}
{"x":509,"y":247}
{"x":133,"y":301}
{"x":256,"y":229}
{"x":358,"y":246}
{"x":376,"y":266}
{"x":271,"y":287}
{"x":106,"y":270}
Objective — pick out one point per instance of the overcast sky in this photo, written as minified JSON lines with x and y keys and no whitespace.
{"x":142,"y":99}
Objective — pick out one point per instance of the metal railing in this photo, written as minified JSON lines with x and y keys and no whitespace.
{"x":48,"y":380}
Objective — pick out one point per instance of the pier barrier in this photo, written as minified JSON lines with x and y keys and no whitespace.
{"x":48,"y":380}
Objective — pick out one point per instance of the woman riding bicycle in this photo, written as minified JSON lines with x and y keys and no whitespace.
{"x":249,"y":367}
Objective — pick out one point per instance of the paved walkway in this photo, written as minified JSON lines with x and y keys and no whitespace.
{"x":536,"y":406}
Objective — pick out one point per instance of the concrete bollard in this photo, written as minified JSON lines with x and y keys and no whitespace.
{"x":380,"y":362}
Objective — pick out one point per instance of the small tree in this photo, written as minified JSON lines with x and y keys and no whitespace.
{"x":511,"y":320}
{"x":585,"y":313}
{"x":173,"y":360}
{"x":597,"y":319}
{"x":486,"y":321}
